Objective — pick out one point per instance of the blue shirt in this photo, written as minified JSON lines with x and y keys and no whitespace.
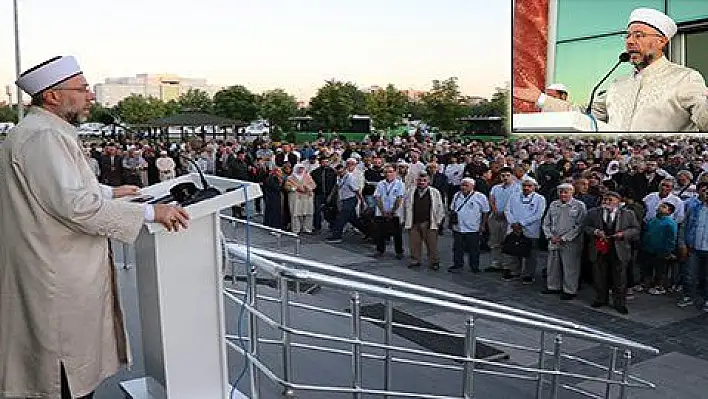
{"x":469,"y":211}
{"x":701,"y":241}
{"x":389,"y":193}
{"x":501,"y":195}
{"x":348,"y":186}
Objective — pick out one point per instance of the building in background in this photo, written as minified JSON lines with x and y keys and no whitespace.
{"x":164,"y":87}
{"x":577,"y":42}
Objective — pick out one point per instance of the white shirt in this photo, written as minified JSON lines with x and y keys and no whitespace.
{"x":469,"y":211}
{"x":389,"y":192}
{"x":652,"y":201}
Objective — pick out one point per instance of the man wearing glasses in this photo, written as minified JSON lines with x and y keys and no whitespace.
{"x":659,"y":95}
{"x":61,"y":324}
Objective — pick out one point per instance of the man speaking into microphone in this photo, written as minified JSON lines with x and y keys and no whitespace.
{"x":658,"y":95}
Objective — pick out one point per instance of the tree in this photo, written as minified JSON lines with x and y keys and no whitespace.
{"x":277,"y":106}
{"x":195,"y":100}
{"x":335,"y":103}
{"x":386,"y":107}
{"x":444,"y":104}
{"x":8,"y":114}
{"x":138,"y":109}
{"x":98,"y":113}
{"x":236,"y":102}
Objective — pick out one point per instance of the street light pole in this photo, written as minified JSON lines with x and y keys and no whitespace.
{"x":18,"y":67}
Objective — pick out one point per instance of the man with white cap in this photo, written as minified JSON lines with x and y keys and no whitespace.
{"x":524,"y":212}
{"x":563,"y":226}
{"x":469,"y":211}
{"x":61,"y":325}
{"x":658,"y":95}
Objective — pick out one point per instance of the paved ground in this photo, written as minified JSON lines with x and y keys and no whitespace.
{"x":679,"y":333}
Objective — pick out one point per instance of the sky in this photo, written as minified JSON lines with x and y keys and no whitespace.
{"x":264,"y":44}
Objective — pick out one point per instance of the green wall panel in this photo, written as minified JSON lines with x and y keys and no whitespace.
{"x":581,"y":18}
{"x":581,"y":64}
{"x":687,"y":10}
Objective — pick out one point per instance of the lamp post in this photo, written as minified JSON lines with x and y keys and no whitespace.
{"x":20,"y":106}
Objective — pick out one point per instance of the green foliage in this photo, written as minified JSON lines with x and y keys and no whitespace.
{"x":139,"y":109}
{"x":335,"y":103}
{"x":8,"y":114}
{"x":236,"y":102}
{"x":443,"y":105}
{"x":195,"y":100}
{"x":386,"y":107}
{"x":277,"y":106}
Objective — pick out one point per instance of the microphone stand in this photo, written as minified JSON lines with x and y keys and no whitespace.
{"x":623,"y":57}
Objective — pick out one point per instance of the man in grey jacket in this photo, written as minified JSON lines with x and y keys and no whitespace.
{"x":563,"y":225}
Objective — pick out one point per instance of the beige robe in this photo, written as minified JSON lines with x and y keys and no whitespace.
{"x":301,"y":204}
{"x":58,"y":294}
{"x":663,"y":97}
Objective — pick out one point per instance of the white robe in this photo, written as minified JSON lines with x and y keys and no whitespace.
{"x":59,"y":297}
{"x":662,"y":97}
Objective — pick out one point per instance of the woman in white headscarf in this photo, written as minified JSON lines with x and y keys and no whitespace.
{"x":300,"y":188}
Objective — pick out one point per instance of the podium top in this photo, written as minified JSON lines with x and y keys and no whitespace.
{"x":557,"y":122}
{"x":233,"y":192}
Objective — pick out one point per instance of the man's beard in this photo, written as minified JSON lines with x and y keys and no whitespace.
{"x":646,"y":60}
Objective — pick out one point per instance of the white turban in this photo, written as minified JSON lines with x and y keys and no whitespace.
{"x":48,"y":74}
{"x":656,"y":19}
{"x":558,"y":87}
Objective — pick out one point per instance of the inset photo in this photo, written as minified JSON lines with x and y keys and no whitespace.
{"x":609,"y":65}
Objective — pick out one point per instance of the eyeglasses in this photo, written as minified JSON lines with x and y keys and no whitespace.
{"x":79,"y":89}
{"x":639,"y":35}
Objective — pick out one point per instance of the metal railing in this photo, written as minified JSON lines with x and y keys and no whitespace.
{"x":277,"y":233}
{"x":551,"y":372}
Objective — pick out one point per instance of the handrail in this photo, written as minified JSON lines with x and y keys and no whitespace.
{"x":261,"y":226}
{"x":427,"y":291}
{"x":391,"y":293}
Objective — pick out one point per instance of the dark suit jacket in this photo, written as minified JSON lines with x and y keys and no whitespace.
{"x":111,"y":173}
{"x":625,"y":221}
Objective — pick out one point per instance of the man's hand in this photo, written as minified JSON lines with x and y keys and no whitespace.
{"x":529,"y":94}
{"x":556,"y":240}
{"x":172,"y":217}
{"x":517,"y":228}
{"x":682,"y":252}
{"x":125,"y":191}
{"x":599,"y":233}
{"x":619,"y":235}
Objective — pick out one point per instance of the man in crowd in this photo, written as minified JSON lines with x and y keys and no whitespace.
{"x":524,"y":212}
{"x":563,"y":226}
{"x":424,"y":211}
{"x":61,"y":325}
{"x":611,"y":230}
{"x":469,"y":211}
{"x":388,"y":197}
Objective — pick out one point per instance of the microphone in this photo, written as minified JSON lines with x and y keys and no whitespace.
{"x":193,"y":197}
{"x":623,"y":57}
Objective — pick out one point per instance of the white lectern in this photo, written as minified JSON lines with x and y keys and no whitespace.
{"x":557,"y":122}
{"x":179,"y":278}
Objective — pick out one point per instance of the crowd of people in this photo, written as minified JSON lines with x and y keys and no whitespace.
{"x":624,"y":216}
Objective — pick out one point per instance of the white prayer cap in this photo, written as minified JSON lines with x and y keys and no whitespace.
{"x":566,"y":186}
{"x":558,"y":87}
{"x":352,"y":160}
{"x":529,"y":179}
{"x":656,"y":19}
{"x":48,"y":74}
{"x":468,"y":180}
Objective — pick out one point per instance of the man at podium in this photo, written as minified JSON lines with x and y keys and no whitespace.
{"x":61,"y":326}
{"x":658,"y":95}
